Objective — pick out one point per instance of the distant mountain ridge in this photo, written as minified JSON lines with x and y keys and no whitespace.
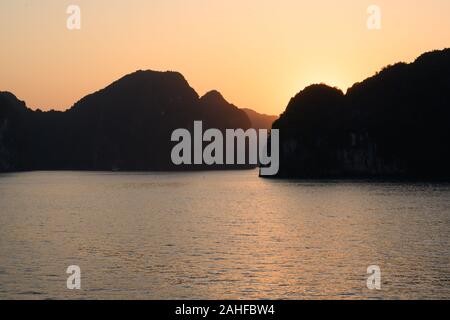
{"x":125,"y":126}
{"x":259,"y":120}
{"x":394,"y":124}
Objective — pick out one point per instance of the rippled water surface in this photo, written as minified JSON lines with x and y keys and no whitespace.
{"x":220,"y":235}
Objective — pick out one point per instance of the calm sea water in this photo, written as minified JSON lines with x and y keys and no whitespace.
{"x":220,"y":235}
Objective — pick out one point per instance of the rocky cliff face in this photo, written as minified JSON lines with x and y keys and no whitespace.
{"x":5,"y":161}
{"x":13,"y":113}
{"x":394,"y":124}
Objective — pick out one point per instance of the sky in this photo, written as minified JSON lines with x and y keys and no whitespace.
{"x":257,"y":53}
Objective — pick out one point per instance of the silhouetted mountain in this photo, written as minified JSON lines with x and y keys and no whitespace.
{"x":125,"y":126}
{"x":12,"y":113}
{"x":221,"y":114}
{"x":259,"y":120}
{"x":396,"y":123}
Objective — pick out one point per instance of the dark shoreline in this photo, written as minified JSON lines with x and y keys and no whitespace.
{"x":306,"y":179}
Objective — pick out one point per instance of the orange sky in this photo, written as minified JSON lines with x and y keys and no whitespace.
{"x":258,"y":53}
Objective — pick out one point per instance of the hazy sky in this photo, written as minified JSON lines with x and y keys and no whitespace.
{"x":258,"y":53}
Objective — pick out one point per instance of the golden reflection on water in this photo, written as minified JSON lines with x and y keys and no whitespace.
{"x":220,"y":235}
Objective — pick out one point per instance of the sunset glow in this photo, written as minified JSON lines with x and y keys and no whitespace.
{"x":257,"y":53}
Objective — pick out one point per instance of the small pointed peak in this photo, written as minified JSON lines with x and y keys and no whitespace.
{"x":215,"y":97}
{"x":213,"y":94}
